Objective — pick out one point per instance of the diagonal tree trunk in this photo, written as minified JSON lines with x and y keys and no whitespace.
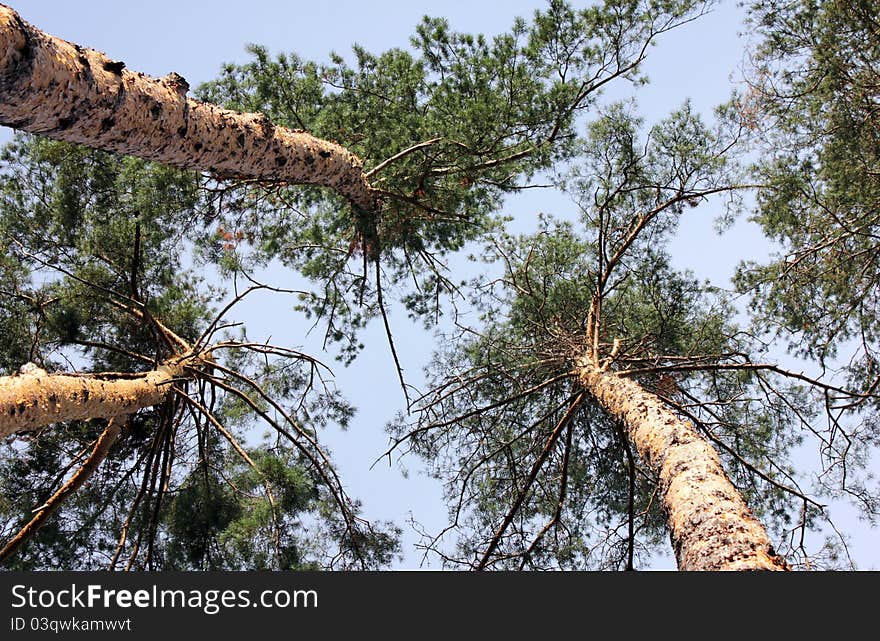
{"x":32,"y":400}
{"x":57,"y":89}
{"x":710,"y":524}
{"x":99,"y":453}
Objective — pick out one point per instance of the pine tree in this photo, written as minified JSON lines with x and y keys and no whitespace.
{"x":606,"y":399}
{"x":103,"y":286}
{"x":813,"y":107}
{"x":605,"y":391}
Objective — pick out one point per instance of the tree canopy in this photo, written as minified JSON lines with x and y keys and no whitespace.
{"x":116,"y":267}
{"x":502,"y":393}
{"x":812,"y":104}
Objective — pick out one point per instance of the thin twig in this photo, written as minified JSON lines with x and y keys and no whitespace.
{"x":536,"y":467}
{"x":400,"y":155}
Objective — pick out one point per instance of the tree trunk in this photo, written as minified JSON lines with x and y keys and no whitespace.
{"x":60,"y":90}
{"x":29,"y":401}
{"x":710,"y":525}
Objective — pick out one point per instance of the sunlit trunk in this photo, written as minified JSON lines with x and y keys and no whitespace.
{"x":60,"y":90}
{"x":29,"y":401}
{"x":710,"y":525}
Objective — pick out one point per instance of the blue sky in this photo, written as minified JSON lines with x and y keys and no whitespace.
{"x":194,"y":38}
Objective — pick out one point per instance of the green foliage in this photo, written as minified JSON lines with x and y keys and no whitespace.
{"x":83,"y":533}
{"x":91,"y":232}
{"x":446,"y":128}
{"x":97,"y":246}
{"x":502,"y":389}
{"x":814,"y":107}
{"x":497,"y":395}
{"x":224,"y":518}
{"x":816,"y":101}
{"x":15,"y":315}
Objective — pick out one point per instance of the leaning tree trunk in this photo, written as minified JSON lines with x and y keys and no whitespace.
{"x":710,"y":525}
{"x":41,"y":514}
{"x":32,"y":400}
{"x":60,"y":90}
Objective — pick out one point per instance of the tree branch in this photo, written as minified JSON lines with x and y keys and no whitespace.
{"x":533,"y":473}
{"x":99,"y":453}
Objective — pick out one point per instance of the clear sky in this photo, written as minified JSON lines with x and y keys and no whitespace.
{"x":194,"y":38}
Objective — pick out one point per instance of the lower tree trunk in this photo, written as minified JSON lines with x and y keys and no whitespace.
{"x":710,"y":525}
{"x":32,"y":400}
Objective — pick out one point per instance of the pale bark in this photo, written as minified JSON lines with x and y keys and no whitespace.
{"x":57,"y":89}
{"x":29,"y":401}
{"x":710,"y":525}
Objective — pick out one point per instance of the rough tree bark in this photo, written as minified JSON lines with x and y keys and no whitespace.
{"x":32,"y":400}
{"x":60,"y":90}
{"x":710,"y":525}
